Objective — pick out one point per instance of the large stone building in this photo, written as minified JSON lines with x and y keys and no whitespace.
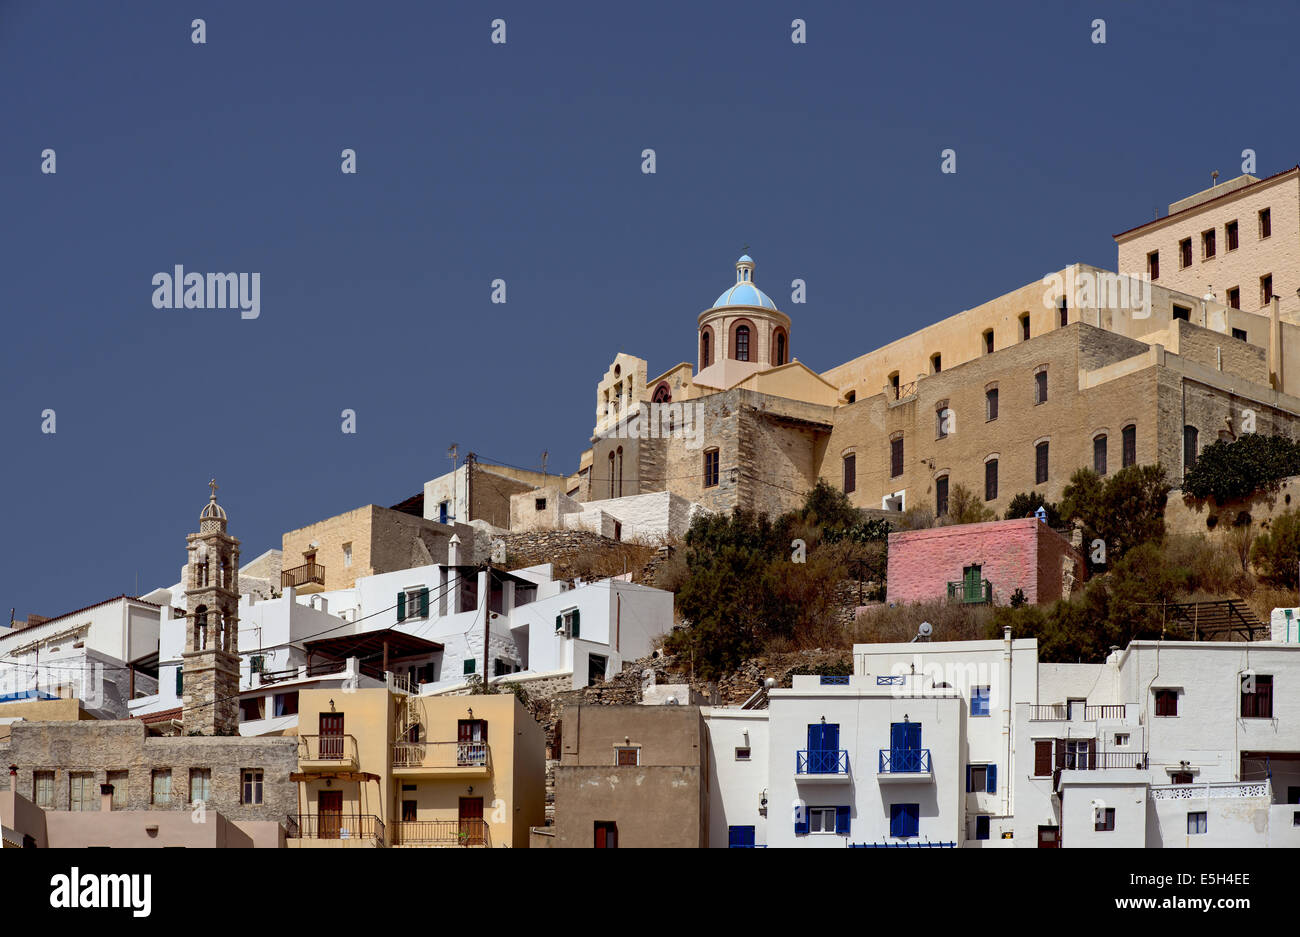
{"x":1082,"y":368}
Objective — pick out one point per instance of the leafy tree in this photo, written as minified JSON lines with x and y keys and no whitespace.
{"x":827,"y":507}
{"x":965,"y":507}
{"x":1124,"y":511}
{"x":1024,"y":505}
{"x":1226,"y":471}
{"x":1276,"y":552}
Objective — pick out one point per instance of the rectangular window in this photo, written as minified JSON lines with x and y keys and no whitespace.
{"x":1185,"y":252}
{"x":1121,"y":739}
{"x":1040,"y":463}
{"x":1105,"y":820}
{"x":1153,"y":265}
{"x":286,"y":704}
{"x":596,"y":666}
{"x":1234,"y":297}
{"x":1063,"y":309}
{"x":936,"y":363}
{"x":711,"y":468}
{"x":1230,"y":236}
{"x":81,"y":791}
{"x":904,"y":820}
{"x":1024,"y":327}
{"x":627,"y":757}
{"x":1042,"y":758}
{"x":43,"y":789}
{"x":1183,"y":312}
{"x":161,"y":794}
{"x":895,"y":457}
{"x":982,"y":827}
{"x":991,"y":403}
{"x":1166,"y":702}
{"x":1040,"y":387}
{"x":347,"y":555}
{"x":988,"y":342}
{"x":1239,"y":334}
{"x":121,"y":789}
{"x":1266,"y":289}
{"x":979,"y":700}
{"x":1259,"y":704}
{"x":742,"y":753}
{"x":941,"y":496}
{"x":991,"y":480}
{"x":1207,"y":244}
{"x":850,"y":474}
{"x":977,"y":777}
{"x":606,"y":834}
{"x":1099,"y":455}
{"x":252,"y":786}
{"x":821,"y":820}
{"x":252,"y":709}
{"x":200,"y":785}
{"x":1129,"y":455}
{"x":470,"y":665}
{"x":1197,"y":822}
{"x":1265,"y":223}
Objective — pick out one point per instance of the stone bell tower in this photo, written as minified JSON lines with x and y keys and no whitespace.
{"x":210,"y":662}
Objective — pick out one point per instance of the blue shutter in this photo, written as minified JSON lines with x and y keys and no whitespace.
{"x":895,"y":819}
{"x":180,"y":681}
{"x":842,"y":820}
{"x":970,"y":784}
{"x":401,"y":606}
{"x":740,"y":837}
{"x":814,"y":738}
{"x":993,"y":779}
{"x":913,"y":735}
{"x":898,"y":736}
{"x":801,"y":826}
{"x":831,"y":738}
{"x":911,"y":819}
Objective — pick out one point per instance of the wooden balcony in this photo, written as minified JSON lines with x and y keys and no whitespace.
{"x":442,"y":759}
{"x":308,"y":578}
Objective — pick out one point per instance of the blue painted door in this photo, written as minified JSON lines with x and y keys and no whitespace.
{"x":823,"y":748}
{"x":740,"y":837}
{"x":905,"y":746}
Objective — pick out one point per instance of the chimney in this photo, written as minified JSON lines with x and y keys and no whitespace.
{"x":453,"y":550}
{"x":105,"y":797}
{"x":1275,"y":344}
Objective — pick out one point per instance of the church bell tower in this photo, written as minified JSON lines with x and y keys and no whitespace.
{"x":210,"y":662}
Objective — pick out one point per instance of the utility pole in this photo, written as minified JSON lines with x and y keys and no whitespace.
{"x":545,"y":454}
{"x":470,"y":459}
{"x":451,"y":454}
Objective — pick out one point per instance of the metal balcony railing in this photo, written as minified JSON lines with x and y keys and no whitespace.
{"x":1095,"y":761}
{"x":904,"y":761}
{"x":442,"y":755}
{"x":303,"y":575}
{"x":327,"y":748}
{"x":971,"y":591}
{"x":335,"y":826}
{"x":827,"y":761}
{"x":468,"y":832}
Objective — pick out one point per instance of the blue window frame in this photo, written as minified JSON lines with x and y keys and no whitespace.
{"x":979,"y":701}
{"x":1196,"y":822}
{"x":904,"y":820}
{"x":981,"y":827}
{"x":740,"y":837}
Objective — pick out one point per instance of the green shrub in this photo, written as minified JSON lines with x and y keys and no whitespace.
{"x":1276,"y":552}
{"x":1226,"y":471}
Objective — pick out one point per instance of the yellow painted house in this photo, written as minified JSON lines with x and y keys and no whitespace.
{"x":382,"y":767}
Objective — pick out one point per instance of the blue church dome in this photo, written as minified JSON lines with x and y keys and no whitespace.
{"x":744,"y":293}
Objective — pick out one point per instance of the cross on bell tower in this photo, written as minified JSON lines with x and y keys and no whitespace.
{"x":210,"y":668}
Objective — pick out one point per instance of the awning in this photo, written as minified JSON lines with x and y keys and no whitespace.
{"x":371,"y":643}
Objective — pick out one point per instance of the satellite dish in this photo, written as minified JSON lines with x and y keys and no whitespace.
{"x":925,"y":630}
{"x":671,"y":701}
{"x":769,"y":682}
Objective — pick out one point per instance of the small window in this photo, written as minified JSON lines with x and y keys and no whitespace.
{"x":1121,"y":739}
{"x":705,"y":361}
{"x":1266,"y":289}
{"x":1239,"y":334}
{"x":1024,"y":327}
{"x":121,"y":789}
{"x":1208,"y":244}
{"x":711,"y":468}
{"x":1153,"y":265}
{"x":347,"y":555}
{"x":252,"y":709}
{"x":1197,"y":822}
{"x":81,"y":791}
{"x":1183,"y":312}
{"x":1265,"y":223}
{"x":904,"y":820}
{"x":1105,"y":820}
{"x":977,"y":778}
{"x":1129,"y":437}
{"x":1040,"y":387}
{"x":1167,"y":703}
{"x":895,"y":457}
{"x":1230,"y":236}
{"x":942,"y":420}
{"x":1099,"y":454}
{"x":471,"y":665}
{"x":941,"y":495}
{"x":936,"y":363}
{"x":991,"y":404}
{"x":1191,"y":437}
{"x":982,"y":827}
{"x":252,"y":786}
{"x":742,"y":343}
{"x":606,"y":834}
{"x":850,"y":473}
{"x":539,"y":504}
{"x":988,"y":341}
{"x":1040,"y":463}
{"x":200,"y":785}
{"x":742,"y":753}
{"x":43,"y":789}
{"x":162,"y":787}
{"x":1234,"y":297}
{"x":979,"y":700}
{"x":1063,"y":311}
{"x":286,"y":704}
{"x":850,"y":396}
{"x":1257,"y":704}
{"x":1185,"y":252}
{"x":991,"y":480}
{"x":821,"y":820}
{"x":894,"y":386}
{"x":627,"y":756}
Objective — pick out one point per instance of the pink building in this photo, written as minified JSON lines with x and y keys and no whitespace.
{"x":982,"y":563}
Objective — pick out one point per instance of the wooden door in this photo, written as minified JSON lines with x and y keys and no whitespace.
{"x":1049,"y":837}
{"x":329,"y":814}
{"x":471,"y":821}
{"x":331,"y":735}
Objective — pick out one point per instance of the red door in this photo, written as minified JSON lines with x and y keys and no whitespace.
{"x":471,"y":821}
{"x":1049,"y":837}
{"x":331,"y":736}
{"x":329,"y":814}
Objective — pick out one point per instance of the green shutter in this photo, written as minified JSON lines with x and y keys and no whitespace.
{"x":559,"y":623}
{"x":576,"y":630}
{"x":469,"y":665}
{"x":424,"y":603}
{"x":401,"y":606}
{"x":180,"y":681}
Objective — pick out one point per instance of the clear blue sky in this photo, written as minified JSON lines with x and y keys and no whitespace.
{"x":522,"y":161}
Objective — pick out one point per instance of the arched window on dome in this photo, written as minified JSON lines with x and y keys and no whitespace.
{"x":663,"y":393}
{"x":742,"y":343}
{"x":779,"y":350}
{"x":705,"y":348}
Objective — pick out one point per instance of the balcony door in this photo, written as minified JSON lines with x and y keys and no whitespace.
{"x":823,"y":748}
{"x":331,"y":736}
{"x":471,"y":821}
{"x":972,"y":583}
{"x":329,"y":814}
{"x":905,"y":746}
{"x":471,"y":742}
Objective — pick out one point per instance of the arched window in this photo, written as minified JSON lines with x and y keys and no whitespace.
{"x":742,"y":343}
{"x":620,"y":472}
{"x":705,"y":341}
{"x":1191,"y":436}
{"x":201,"y":628}
{"x":611,"y":474}
{"x":662,"y":394}
{"x":1099,"y":453}
{"x":779,"y":349}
